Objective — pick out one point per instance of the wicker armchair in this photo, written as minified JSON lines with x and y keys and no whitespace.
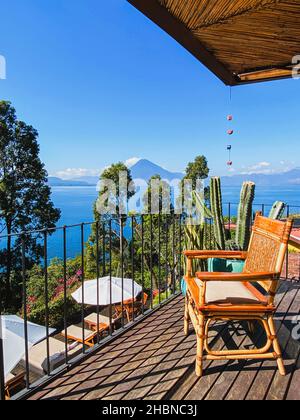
{"x":247,"y":296}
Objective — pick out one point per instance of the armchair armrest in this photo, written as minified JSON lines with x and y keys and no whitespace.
{"x":205,"y":254}
{"x":244,"y":277}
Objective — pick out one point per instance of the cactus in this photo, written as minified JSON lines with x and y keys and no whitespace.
{"x":196,"y":234}
{"x":242,"y":235}
{"x":217,"y":212}
{"x":277,"y":210}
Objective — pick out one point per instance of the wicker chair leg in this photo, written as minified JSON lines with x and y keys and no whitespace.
{"x":276,"y":346}
{"x":200,"y":346}
{"x":186,"y":317}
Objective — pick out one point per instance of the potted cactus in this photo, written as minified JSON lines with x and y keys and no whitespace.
{"x":242,"y":234}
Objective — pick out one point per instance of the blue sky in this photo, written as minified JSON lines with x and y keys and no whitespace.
{"x":102,"y":83}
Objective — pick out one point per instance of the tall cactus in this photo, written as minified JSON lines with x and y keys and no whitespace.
{"x":242,"y":235}
{"x":277,"y":210}
{"x":217,"y":212}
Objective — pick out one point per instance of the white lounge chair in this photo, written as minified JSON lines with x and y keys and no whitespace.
{"x":38,"y":355}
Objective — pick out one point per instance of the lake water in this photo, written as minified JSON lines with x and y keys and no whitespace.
{"x":76,"y":204}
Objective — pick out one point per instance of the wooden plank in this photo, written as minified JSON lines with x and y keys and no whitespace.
{"x":62,"y":383}
{"x":247,"y":375}
{"x":281,"y":384}
{"x":123,"y":374}
{"x":268,"y":369}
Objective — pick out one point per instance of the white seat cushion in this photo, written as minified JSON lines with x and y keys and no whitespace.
{"x":76,"y":333}
{"x":228,"y":292}
{"x":93,"y":319}
{"x":38,"y":355}
{"x":9,"y":377}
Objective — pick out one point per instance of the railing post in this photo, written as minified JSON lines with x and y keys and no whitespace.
{"x":143,"y":260}
{"x":65,"y":291}
{"x":287,"y":253}
{"x":122,"y":265}
{"x":151,"y":259}
{"x":132,"y":266}
{"x":2,"y":374}
{"x":167,"y":255}
{"x":110,"y":278}
{"x":46,"y":299}
{"x":98,"y":276}
{"x":159,"y":257}
{"x":173,"y":253}
{"x":180,"y":250}
{"x":82,"y":284}
{"x":25,"y":311}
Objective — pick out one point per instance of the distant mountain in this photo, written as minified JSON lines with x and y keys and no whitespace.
{"x":91,"y":180}
{"x":276,"y":180}
{"x":58,"y":182}
{"x":144,"y":169}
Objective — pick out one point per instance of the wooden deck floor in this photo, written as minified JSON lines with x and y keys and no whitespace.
{"x":154,"y":360}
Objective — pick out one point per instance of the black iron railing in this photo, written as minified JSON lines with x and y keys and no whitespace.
{"x":144,"y":248}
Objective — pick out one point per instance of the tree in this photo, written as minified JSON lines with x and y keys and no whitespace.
{"x":197,"y":170}
{"x":159,"y":200}
{"x":25,"y":197}
{"x":115,"y":189}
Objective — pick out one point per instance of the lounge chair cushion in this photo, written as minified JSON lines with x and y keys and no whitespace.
{"x":38,"y":355}
{"x":228,"y":292}
{"x":76,"y":333}
{"x":92,"y":318}
{"x":9,"y":377}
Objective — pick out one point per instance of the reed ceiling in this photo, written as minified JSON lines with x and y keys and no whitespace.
{"x":241,"y":41}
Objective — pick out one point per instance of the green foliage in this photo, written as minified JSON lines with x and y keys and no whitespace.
{"x":25,"y":197}
{"x":158,"y":201}
{"x":277,"y":210}
{"x":198,"y":235}
{"x":36,"y":298}
{"x":198,"y":169}
{"x":243,"y":229}
{"x":217,"y":212}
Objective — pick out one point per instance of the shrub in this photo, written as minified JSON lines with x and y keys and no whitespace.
{"x":36,"y":298}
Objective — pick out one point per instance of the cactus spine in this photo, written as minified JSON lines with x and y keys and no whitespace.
{"x":243,"y":228}
{"x":217,"y":212}
{"x":277,"y":210}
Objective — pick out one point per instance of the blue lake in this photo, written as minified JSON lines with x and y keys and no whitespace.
{"x":76,"y":204}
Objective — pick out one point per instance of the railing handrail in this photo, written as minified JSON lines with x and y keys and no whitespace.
{"x":117,"y":218}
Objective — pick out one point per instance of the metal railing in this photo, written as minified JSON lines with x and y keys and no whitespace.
{"x":145,"y":248}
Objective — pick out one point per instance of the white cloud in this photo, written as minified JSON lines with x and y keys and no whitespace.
{"x":71,"y":173}
{"x":258,"y":168}
{"x":131,"y":161}
{"x":267,"y":168}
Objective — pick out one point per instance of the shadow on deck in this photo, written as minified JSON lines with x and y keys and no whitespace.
{"x":154,"y":360}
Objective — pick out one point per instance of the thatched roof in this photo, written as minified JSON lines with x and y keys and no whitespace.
{"x":241,"y":41}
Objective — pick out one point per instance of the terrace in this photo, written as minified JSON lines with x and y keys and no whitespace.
{"x":154,"y":360}
{"x":150,"y":357}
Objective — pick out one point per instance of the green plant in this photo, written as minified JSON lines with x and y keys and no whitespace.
{"x":243,"y":228}
{"x":217,"y":212}
{"x":36,"y":298}
{"x":277,"y":210}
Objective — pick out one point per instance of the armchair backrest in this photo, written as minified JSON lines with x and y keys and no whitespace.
{"x":267,"y":248}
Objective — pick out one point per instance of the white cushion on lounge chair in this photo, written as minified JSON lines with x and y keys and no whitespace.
{"x":38,"y":355}
{"x":9,"y":378}
{"x":228,"y":292}
{"x":76,"y":333}
{"x":93,"y":319}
